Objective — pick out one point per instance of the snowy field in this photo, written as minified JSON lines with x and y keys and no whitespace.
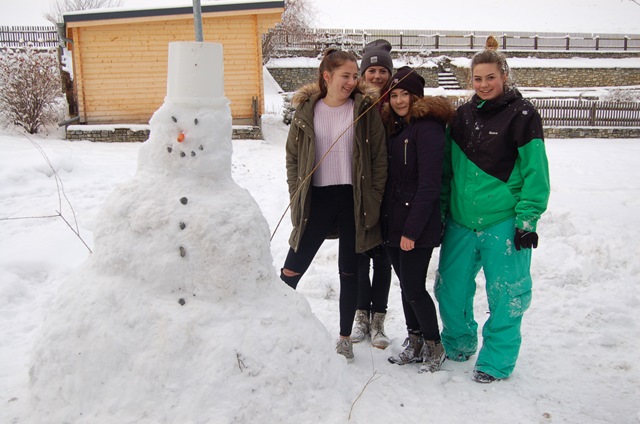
{"x":578,"y":363}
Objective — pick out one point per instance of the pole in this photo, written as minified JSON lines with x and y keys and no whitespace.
{"x":197,"y":20}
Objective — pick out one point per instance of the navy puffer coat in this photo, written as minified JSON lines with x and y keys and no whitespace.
{"x":415,"y":152}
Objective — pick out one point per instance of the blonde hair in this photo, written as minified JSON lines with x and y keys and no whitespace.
{"x":491,"y":43}
{"x":491,"y":55}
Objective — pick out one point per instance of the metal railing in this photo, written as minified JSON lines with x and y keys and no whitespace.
{"x":588,"y":113}
{"x":20,"y":36}
{"x":584,"y":113}
{"x":320,"y":38}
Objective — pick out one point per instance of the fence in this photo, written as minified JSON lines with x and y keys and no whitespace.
{"x":19,"y":36}
{"x":320,"y":38}
{"x":584,"y":113}
{"x":588,"y":113}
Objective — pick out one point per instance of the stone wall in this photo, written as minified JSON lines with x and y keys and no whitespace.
{"x":591,"y":132}
{"x":290,"y":79}
{"x":576,"y":77}
{"x":562,"y":77}
{"x":108,"y":134}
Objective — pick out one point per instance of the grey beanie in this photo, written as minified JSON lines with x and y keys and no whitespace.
{"x":376,"y":53}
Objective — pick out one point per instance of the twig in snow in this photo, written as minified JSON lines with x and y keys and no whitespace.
{"x":241,"y":364}
{"x":371,"y":379}
{"x":61,"y":194}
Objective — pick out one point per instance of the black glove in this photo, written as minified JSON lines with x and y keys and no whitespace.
{"x":525,"y":239}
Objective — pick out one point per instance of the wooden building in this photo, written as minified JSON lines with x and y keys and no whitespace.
{"x":120,"y":57}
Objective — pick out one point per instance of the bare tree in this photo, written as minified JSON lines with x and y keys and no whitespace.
{"x":297,"y":15}
{"x":60,"y":7}
{"x":296,"y":20}
{"x":30,"y":94}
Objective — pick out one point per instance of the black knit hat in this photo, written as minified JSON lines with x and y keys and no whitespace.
{"x":408,"y":79}
{"x":376,"y":53}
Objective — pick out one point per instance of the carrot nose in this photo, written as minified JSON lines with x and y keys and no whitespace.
{"x":181,"y":138}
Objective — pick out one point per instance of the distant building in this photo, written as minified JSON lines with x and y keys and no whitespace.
{"x":120,"y":56}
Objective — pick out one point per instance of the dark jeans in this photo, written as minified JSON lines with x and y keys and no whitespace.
{"x":373,"y":294}
{"x":419,"y":308}
{"x":331,"y":209}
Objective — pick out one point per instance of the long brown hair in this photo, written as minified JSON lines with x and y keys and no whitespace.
{"x":333,"y":58}
{"x":390,"y":118}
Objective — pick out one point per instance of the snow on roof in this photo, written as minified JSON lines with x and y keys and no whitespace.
{"x":169,"y":8}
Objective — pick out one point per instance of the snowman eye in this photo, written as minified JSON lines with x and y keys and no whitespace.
{"x":173,"y":118}
{"x":195,"y":121}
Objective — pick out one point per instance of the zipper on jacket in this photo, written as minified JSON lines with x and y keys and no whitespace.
{"x":406,"y":141}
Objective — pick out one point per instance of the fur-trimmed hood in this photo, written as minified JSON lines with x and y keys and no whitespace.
{"x":424,"y":107}
{"x":307,"y":91}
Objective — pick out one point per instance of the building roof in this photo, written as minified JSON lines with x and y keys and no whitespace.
{"x":125,"y":13}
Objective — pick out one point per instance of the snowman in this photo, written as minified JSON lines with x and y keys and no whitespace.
{"x":178,"y":315}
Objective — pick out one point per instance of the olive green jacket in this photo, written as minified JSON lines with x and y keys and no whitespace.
{"x":369,"y":164}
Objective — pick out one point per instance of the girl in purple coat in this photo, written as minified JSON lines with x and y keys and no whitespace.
{"x":412,"y":222}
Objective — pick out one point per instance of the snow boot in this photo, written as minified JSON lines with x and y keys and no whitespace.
{"x":344,"y":347}
{"x":483,"y":377}
{"x":378,"y":338}
{"x":361,"y":326}
{"x":413,"y":346}
{"x":432,"y":356}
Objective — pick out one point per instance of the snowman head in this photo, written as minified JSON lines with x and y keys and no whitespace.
{"x":191,"y":132}
{"x":189,"y":140}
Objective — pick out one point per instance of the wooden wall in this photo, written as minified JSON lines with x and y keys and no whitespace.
{"x":120,"y":66}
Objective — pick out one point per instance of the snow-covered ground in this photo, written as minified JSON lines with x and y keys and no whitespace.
{"x":578,"y":363}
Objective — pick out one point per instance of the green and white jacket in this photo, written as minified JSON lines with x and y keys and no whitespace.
{"x":495,"y":164}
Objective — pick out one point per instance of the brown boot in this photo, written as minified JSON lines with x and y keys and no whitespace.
{"x":432,"y":356}
{"x":378,"y":338}
{"x":361,"y":326}
{"x":411,"y":353}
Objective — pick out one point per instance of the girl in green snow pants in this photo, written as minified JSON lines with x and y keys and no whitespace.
{"x":508,"y":285}
{"x":495,"y":187}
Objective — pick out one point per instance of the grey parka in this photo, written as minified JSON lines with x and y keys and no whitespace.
{"x":369,"y":164}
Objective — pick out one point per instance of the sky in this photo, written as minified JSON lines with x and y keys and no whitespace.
{"x":589,"y":16}
{"x":137,"y":332}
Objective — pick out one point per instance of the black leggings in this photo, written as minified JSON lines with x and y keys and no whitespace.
{"x":373,"y":293}
{"x":331,"y":209}
{"x":419,"y":310}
